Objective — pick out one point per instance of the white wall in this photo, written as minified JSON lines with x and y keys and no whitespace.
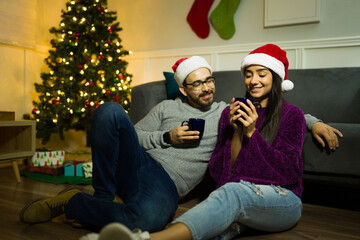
{"x":158,"y":34}
{"x":20,"y":66}
{"x":161,"y":24}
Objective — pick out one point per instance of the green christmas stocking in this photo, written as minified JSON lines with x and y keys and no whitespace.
{"x":222,"y":18}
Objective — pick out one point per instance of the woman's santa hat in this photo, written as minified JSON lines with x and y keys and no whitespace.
{"x":184,"y":66}
{"x":273,"y":57}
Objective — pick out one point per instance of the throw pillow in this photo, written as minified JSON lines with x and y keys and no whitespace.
{"x":172,"y":88}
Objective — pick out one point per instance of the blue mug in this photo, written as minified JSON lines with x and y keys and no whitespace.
{"x":195,"y":124}
{"x":243,"y":100}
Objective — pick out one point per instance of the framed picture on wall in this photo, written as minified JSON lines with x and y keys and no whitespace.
{"x":290,"y":12}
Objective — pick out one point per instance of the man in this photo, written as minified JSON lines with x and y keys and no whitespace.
{"x":150,"y":166}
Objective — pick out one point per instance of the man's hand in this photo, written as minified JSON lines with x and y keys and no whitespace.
{"x":322,"y":131}
{"x":181,"y":135}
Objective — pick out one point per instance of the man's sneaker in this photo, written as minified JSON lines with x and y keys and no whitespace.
{"x":117,"y":231}
{"x":45,"y":209}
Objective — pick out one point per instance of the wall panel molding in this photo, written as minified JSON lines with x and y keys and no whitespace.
{"x":300,"y":54}
{"x":292,"y":12}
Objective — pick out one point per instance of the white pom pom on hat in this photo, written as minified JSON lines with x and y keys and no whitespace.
{"x":184,"y":66}
{"x":272,"y":57}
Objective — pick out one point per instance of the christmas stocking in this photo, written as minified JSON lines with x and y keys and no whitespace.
{"x":198,"y":17}
{"x":222,"y":18}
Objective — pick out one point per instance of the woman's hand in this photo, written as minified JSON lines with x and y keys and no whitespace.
{"x":234,"y":116}
{"x":248,"y":118}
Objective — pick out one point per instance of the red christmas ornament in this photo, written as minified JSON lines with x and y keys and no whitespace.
{"x":107,"y":92}
{"x":91,"y":83}
{"x":77,"y":35}
{"x":101,"y":56}
{"x":108,"y":42}
{"x":109,"y":29}
{"x":116,"y":99}
{"x":121,"y":76}
{"x":55,"y":102}
{"x":88,"y":58}
{"x":97,"y":104}
{"x":80,"y":66}
{"x":34,"y":111}
{"x":87,"y":103}
{"x":120,"y":62}
{"x":100,"y":9}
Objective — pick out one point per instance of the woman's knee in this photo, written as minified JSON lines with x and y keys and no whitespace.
{"x":232,"y":189}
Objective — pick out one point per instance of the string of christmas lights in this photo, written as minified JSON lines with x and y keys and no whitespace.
{"x":85,"y":69}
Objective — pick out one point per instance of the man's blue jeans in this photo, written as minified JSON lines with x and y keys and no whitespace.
{"x":232,"y":208}
{"x":122,"y":167}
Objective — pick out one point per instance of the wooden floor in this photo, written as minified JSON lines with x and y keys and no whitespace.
{"x":317,"y":222}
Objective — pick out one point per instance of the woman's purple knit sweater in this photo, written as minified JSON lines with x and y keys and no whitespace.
{"x":279,"y":164}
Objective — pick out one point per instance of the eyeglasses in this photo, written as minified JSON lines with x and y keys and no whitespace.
{"x":197,"y":85}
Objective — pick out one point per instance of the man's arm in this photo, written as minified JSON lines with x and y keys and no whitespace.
{"x":151,"y":132}
{"x":149,"y":129}
{"x":322,"y":131}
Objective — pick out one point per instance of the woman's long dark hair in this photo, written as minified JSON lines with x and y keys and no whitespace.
{"x":273,"y":110}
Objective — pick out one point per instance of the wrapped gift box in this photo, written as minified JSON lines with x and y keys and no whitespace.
{"x":87,"y":167}
{"x":49,"y":170}
{"x":48,"y":158}
{"x":74,"y":169}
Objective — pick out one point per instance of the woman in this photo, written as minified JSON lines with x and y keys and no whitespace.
{"x":256,"y":162}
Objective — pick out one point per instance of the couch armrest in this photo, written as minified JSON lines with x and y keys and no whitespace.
{"x":144,"y":97}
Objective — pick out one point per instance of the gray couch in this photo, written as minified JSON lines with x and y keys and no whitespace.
{"x":332,"y":95}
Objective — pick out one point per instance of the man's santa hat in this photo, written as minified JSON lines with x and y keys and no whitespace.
{"x":184,"y":66}
{"x":273,"y":57}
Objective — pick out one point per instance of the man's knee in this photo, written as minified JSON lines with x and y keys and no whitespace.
{"x":108,"y":108}
{"x":108,"y":111}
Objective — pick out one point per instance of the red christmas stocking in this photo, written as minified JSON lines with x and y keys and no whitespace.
{"x":198,"y":17}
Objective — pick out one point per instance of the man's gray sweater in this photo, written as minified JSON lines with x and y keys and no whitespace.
{"x":186,"y":164}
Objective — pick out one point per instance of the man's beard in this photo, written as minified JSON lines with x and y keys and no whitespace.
{"x":198,"y":101}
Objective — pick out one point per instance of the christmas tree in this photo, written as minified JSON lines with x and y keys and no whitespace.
{"x":86,"y":69}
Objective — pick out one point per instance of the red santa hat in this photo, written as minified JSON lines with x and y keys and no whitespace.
{"x":184,"y":66}
{"x":273,"y":57}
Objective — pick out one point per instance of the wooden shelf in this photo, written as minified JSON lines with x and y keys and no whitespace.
{"x":17,"y":140}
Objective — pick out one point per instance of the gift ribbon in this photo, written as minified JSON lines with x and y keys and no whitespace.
{"x":75,"y":164}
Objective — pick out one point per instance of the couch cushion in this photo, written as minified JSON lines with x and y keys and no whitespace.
{"x":343,"y":161}
{"x":172,"y":88}
{"x":144,"y":97}
{"x":330,"y":94}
